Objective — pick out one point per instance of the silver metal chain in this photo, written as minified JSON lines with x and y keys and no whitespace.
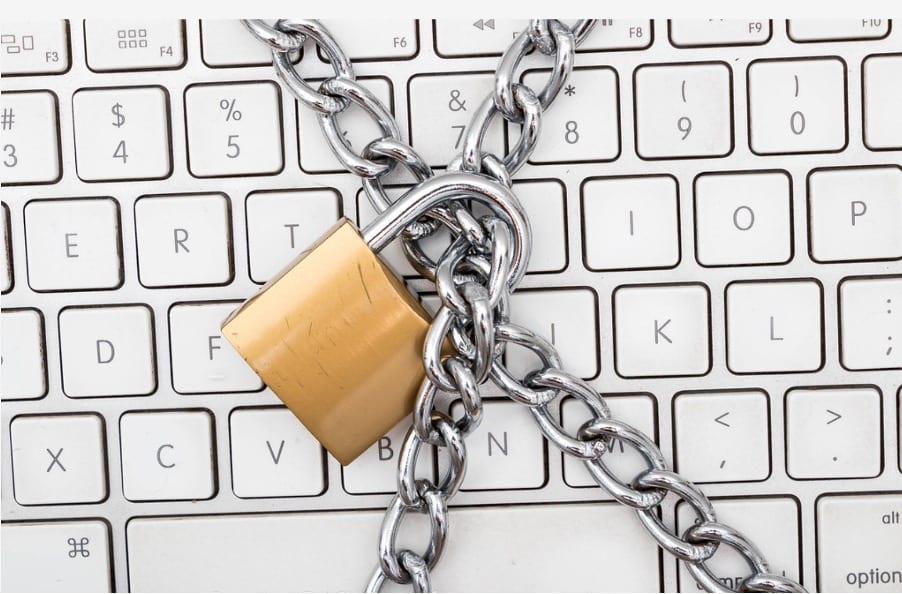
{"x":474,"y":278}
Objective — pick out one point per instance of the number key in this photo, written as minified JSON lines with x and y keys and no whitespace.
{"x":29,"y":138}
{"x":122,"y":133}
{"x":357,"y":127}
{"x":234,"y":129}
{"x":797,"y":106}
{"x":441,"y":108}
{"x":683,"y":111}
{"x":582,"y":124}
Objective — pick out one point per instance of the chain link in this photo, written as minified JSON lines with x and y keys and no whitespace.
{"x":474,"y":278}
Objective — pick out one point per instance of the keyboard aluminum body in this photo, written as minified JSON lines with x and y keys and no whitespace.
{"x":569,"y":265}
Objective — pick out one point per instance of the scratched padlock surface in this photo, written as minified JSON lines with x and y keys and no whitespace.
{"x":339,"y":339}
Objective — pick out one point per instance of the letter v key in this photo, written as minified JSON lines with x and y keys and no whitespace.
{"x":276,"y":456}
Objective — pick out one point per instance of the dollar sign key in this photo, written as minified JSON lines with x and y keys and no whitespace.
{"x":120,"y":116}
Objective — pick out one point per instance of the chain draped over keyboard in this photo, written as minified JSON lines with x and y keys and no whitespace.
{"x":474,"y":278}
{"x":715,"y":208}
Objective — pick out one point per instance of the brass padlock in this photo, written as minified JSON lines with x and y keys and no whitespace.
{"x":338,"y":337}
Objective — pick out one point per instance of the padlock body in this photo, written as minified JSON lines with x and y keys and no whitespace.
{"x":339,"y":339}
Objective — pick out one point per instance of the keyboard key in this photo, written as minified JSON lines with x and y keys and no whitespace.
{"x":772,"y":523}
{"x":475,"y":37}
{"x":722,"y":436}
{"x":855,"y":213}
{"x":617,"y":34}
{"x":774,"y":326}
{"x":836,"y":29}
{"x":29,"y":134}
{"x":289,"y":551}
{"x":376,"y":470}
{"x":202,"y":360}
{"x":441,"y":107}
{"x":631,"y":222}
{"x":34,"y":47}
{"x":661,"y":330}
{"x":391,"y":39}
{"x":131,"y":44}
{"x":582,"y":125}
{"x":6,"y":251}
{"x":506,"y":451}
{"x":490,"y":37}
{"x":69,"y":556}
{"x":234,"y":129}
{"x":393,"y":254}
{"x":869,"y":562}
{"x":73,"y":244}
{"x":797,"y":106}
{"x":545,"y":207}
{"x":567,"y":318}
{"x":122,"y":133}
{"x":282,"y":224}
{"x":882,"y":124}
{"x":24,"y":373}
{"x":684,"y":111}
{"x":358,"y":128}
{"x":833,"y":433}
{"x":871,"y":323}
{"x":107,"y":351}
{"x":273,"y":455}
{"x":638,"y":410}
{"x":184,"y":240}
{"x":167,"y":455}
{"x":743,"y":218}
{"x":227,"y":42}
{"x":713,"y":32}
{"x":58,"y":459}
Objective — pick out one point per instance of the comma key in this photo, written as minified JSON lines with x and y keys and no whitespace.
{"x":868,"y":562}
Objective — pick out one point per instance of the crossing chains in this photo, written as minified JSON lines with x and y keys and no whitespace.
{"x":474,"y":278}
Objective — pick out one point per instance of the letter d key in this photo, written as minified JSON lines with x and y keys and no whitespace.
{"x":338,"y":337}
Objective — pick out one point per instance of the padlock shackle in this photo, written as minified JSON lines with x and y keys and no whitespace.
{"x":417,"y":201}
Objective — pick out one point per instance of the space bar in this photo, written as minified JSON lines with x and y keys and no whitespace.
{"x":525,"y":548}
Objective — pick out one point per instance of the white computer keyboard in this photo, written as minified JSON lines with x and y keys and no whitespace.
{"x":717,"y":209}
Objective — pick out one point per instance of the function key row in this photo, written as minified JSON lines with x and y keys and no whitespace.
{"x":42,"y":47}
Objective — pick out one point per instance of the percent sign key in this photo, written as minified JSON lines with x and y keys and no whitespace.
{"x":234,"y":129}
{"x":228,"y":106}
